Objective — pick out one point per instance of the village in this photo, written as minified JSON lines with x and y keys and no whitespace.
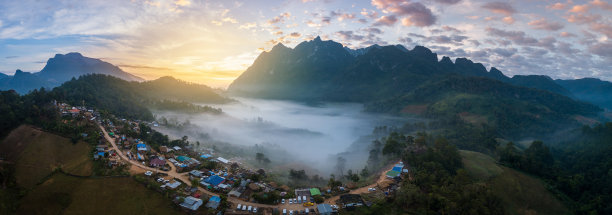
{"x":203,"y":182}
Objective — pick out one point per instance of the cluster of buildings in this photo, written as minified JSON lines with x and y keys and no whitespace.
{"x":397,"y":170}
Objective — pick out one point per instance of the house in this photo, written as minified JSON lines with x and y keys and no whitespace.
{"x":74,"y":112}
{"x":173,"y":185}
{"x":236,"y":192}
{"x":176,"y":148}
{"x":156,"y":162}
{"x":196,"y":173}
{"x":141,"y":147}
{"x":213,"y":202}
{"x":351,"y":200}
{"x":315,"y":191}
{"x":182,"y":158}
{"x":205,"y":156}
{"x":223,"y":160}
{"x":192,"y":203}
{"x":324,"y":209}
{"x":101,"y":147}
{"x":214,"y":180}
{"x":393,"y":174}
{"x":164,"y":149}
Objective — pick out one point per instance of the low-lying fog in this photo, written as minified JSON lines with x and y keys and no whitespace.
{"x":310,"y":135}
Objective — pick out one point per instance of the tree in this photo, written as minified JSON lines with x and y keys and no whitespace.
{"x":195,"y":182}
{"x":365,"y":172}
{"x":259,"y":156}
{"x":340,"y":165}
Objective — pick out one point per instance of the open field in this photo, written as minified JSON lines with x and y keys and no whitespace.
{"x":480,"y":166}
{"x":520,"y":193}
{"x":63,"y":194}
{"x":37,"y":153}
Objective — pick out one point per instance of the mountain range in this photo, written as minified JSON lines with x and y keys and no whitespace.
{"x":60,"y":69}
{"x":393,"y":79}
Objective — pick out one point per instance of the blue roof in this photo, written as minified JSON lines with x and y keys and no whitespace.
{"x":324,"y":208}
{"x":182,"y":158}
{"x":101,"y":153}
{"x":206,"y":156}
{"x":214,"y":180}
{"x":397,"y":168}
{"x":215,"y":199}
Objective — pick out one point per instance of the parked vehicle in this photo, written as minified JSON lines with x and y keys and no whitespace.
{"x":239,"y":206}
{"x":283,"y":201}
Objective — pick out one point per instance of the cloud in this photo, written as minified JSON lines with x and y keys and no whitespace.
{"x":182,"y":2}
{"x":444,"y":39}
{"x":601,"y":4}
{"x":543,"y":24}
{"x":583,"y":19}
{"x":567,"y":34}
{"x":349,"y":35}
{"x":445,"y":28}
{"x":504,"y":52}
{"x":386,"y":20}
{"x":499,"y":7}
{"x":371,"y":14}
{"x":373,"y":30}
{"x":412,"y":13}
{"x":558,"y":6}
{"x":295,"y":35}
{"x":579,"y":8}
{"x":448,"y":1}
{"x":416,"y":14}
{"x":248,"y":25}
{"x":474,"y":42}
{"x":520,"y":38}
{"x":280,"y":18}
{"x":382,"y":4}
{"x":602,"y":49}
{"x":508,"y":20}
{"x":605,"y":29}
{"x":341,"y":16}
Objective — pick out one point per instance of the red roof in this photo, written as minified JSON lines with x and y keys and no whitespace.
{"x":73,"y":110}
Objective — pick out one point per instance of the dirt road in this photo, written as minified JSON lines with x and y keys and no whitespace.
{"x":381,"y":177}
{"x":184,"y":177}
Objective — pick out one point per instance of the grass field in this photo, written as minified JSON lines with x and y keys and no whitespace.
{"x":63,"y":194}
{"x":37,"y":153}
{"x":520,"y":193}
{"x":480,"y":166}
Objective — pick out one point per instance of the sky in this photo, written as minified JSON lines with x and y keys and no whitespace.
{"x":213,"y":42}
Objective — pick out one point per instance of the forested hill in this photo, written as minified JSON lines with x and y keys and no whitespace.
{"x":132,"y":99}
{"x":514,"y":111}
{"x":392,"y":79}
{"x":326,"y":71}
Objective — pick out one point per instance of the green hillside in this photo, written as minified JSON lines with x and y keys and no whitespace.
{"x":520,"y":193}
{"x":37,"y":154}
{"x":514,"y":111}
{"x":62,"y":194}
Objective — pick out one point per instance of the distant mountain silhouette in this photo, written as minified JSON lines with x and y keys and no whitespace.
{"x":590,"y":90}
{"x":60,"y":69}
{"x":392,"y":79}
{"x":325,"y":70}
